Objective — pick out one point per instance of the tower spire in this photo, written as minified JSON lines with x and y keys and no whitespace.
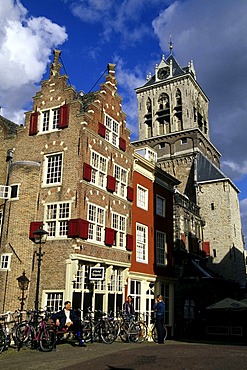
{"x":170,"y":44}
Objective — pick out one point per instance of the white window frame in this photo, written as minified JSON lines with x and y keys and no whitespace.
{"x":112,"y":130}
{"x":142,"y":197}
{"x":116,"y":284}
{"x":48,"y":167}
{"x":6,"y":190}
{"x":5,"y":260}
{"x":96,"y":218}
{"x":56,"y":222}
{"x":49,"y":120}
{"x":141,"y":243}
{"x":119,"y":225}
{"x":99,"y":165}
{"x":136,"y":293}
{"x":161,"y":248}
{"x":59,"y":299}
{"x":161,"y":212}
{"x":121,"y":176}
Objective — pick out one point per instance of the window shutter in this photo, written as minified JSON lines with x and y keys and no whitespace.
{"x":34,"y":226}
{"x":111,"y":183}
{"x":33,"y":127}
{"x":87,"y":172}
{"x":109,"y":236}
{"x":129,"y":242}
{"x":206,"y":248}
{"x":78,"y":228}
{"x":101,"y":129}
{"x":122,"y":144}
{"x":64,"y":116}
{"x":130,"y":193}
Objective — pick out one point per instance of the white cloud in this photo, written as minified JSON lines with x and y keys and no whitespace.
{"x":25,"y":49}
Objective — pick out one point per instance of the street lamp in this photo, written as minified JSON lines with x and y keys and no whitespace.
{"x":40,"y":237}
{"x":23,"y":283}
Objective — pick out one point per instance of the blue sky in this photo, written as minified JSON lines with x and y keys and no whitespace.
{"x":133,"y":34}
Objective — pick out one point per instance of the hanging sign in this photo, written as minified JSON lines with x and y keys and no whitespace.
{"x":96,"y":273}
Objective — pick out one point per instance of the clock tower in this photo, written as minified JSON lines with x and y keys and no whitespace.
{"x":173,"y":122}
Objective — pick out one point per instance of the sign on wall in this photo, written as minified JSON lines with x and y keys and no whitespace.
{"x":96,"y":273}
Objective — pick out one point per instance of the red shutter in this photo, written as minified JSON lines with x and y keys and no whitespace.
{"x":64,"y":116}
{"x":87,"y":172}
{"x":206,"y":248}
{"x":109,"y":236}
{"x":111,"y":183}
{"x":122,"y":144}
{"x":33,"y":127}
{"x":34,"y":226}
{"x":130,"y":193}
{"x":101,"y":129}
{"x":78,"y":228}
{"x":129,"y":242}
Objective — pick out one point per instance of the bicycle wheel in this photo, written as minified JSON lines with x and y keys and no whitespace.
{"x":3,"y":340}
{"x":155,"y":333}
{"x":138,"y":332}
{"x":25,"y":334}
{"x":124,"y":328}
{"x":47,"y":339}
{"x":107,"y":332}
{"x":87,"y":331}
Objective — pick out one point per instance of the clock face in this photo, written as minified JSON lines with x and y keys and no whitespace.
{"x":162,"y":73}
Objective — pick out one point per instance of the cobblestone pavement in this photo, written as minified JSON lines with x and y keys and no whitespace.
{"x":130,"y":356}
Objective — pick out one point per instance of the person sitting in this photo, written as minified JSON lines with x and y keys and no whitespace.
{"x":68,"y":320}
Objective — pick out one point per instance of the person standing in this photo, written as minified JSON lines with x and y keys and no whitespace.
{"x":128,"y":306}
{"x":159,"y":308}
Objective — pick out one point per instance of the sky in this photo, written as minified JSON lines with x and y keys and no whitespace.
{"x":133,"y":34}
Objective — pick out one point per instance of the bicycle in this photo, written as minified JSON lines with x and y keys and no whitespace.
{"x":132,"y":330}
{"x":37,"y":332}
{"x":155,"y":332}
{"x":10,"y":321}
{"x":100,"y":327}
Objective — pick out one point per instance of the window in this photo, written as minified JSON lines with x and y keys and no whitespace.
{"x":160,"y":206}
{"x":14,"y":192}
{"x":141,"y":243}
{"x":9,"y":192}
{"x":116,"y":280}
{"x":99,"y":169}
{"x":119,"y":225}
{"x":120,"y":175}
{"x":96,"y":218}
{"x":4,"y":192}
{"x":49,"y":120}
{"x":53,"y":169}
{"x":82,"y":281}
{"x":142,"y":197}
{"x":57,"y":216}
{"x":112,"y":130}
{"x":184,"y":140}
{"x":5,"y":261}
{"x":54,"y":301}
{"x":135,"y":291}
{"x":161,"y":250}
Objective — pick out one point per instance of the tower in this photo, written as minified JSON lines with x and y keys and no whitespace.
{"x":173,"y":121}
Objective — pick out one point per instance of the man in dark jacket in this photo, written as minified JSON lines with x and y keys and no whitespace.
{"x":128,"y":306}
{"x":67,"y":319}
{"x":159,"y":308}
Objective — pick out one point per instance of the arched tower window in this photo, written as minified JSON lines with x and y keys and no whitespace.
{"x":178,"y":117}
{"x":163,"y":101}
{"x":148,"y":118}
{"x":163,"y":114}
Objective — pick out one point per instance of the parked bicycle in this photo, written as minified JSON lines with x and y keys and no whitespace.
{"x":155,"y":332}
{"x":99,"y":326}
{"x":37,"y":332}
{"x":8,"y":326}
{"x":132,"y":330}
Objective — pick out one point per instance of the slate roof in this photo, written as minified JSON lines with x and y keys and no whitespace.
{"x":207,"y":171}
{"x":10,"y":126}
{"x":177,"y":70}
